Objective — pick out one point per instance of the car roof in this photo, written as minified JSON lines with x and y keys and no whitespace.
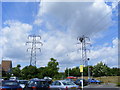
{"x":38,"y":80}
{"x":62,"y":80}
{"x":22,"y":80}
{"x":10,"y":80}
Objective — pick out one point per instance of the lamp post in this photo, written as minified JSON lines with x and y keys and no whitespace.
{"x":88,"y":69}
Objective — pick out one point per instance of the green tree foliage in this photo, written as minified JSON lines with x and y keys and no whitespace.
{"x":16,"y":71}
{"x":73,"y":72}
{"x":52,"y":67}
{"x":85,"y":69}
{"x":100,"y":70}
{"x":60,"y":75}
{"x":114,"y":72}
{"x":51,"y":70}
{"x":29,"y":72}
{"x":76,"y":71}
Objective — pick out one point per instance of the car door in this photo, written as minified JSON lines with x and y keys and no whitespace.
{"x":56,"y":86}
{"x":29,"y":85}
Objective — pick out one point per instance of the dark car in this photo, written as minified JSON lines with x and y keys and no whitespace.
{"x":10,"y":85}
{"x":37,"y":84}
{"x":22,"y":83}
{"x":79,"y":82}
{"x":49,"y":81}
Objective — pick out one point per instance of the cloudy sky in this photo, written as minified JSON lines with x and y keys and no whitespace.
{"x":59,"y":24}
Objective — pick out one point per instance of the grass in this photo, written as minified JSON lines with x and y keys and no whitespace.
{"x":107,"y":79}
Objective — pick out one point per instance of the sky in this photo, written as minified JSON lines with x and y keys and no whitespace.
{"x":59,"y":24}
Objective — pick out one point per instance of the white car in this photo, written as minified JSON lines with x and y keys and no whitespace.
{"x":63,"y":85}
{"x":13,"y":78}
{"x":48,"y":78}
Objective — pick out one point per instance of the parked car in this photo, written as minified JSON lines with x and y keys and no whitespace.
{"x":79,"y":82}
{"x":70,"y":80}
{"x":22,"y":83}
{"x":10,"y":85}
{"x":71,"y":77}
{"x":94,"y":81}
{"x":63,"y":85}
{"x":13,"y":78}
{"x":34,"y":78}
{"x":48,"y":78}
{"x":49,"y":81}
{"x":37,"y":84}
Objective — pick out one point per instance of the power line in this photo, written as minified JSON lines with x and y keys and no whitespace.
{"x":101,"y":19}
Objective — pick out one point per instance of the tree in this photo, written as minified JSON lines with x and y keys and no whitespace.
{"x":114,"y":72}
{"x":52,"y":68}
{"x":29,"y":72}
{"x":73,"y":72}
{"x":41,"y":72}
{"x":19,"y":66}
{"x":16,"y":71}
{"x":100,"y":70}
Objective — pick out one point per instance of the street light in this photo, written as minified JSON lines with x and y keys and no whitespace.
{"x":88,"y":69}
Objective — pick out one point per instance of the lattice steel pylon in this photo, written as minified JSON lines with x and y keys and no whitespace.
{"x":33,"y":40}
{"x":83,"y":49}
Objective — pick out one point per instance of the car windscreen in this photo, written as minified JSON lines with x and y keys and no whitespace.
{"x":10,"y":83}
{"x":42,"y":82}
{"x":37,"y":83}
{"x":23,"y":82}
{"x":68,"y":83}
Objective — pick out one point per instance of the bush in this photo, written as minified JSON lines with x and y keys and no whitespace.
{"x":118,"y":84}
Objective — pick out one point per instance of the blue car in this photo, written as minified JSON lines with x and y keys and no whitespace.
{"x":10,"y":85}
{"x":94,"y":81}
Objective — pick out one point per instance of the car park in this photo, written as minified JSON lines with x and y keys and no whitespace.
{"x":37,"y":84}
{"x":22,"y":83}
{"x":94,"y":81}
{"x":10,"y":85}
{"x":63,"y":85}
{"x":79,"y":82}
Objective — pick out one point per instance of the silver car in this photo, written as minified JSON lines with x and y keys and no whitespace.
{"x":63,"y":85}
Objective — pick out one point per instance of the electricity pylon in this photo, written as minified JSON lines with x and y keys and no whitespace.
{"x":33,"y":41}
{"x":83,"y":41}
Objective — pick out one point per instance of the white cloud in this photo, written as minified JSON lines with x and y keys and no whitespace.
{"x":108,"y":55}
{"x":77,"y":17}
{"x":13,"y":38}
